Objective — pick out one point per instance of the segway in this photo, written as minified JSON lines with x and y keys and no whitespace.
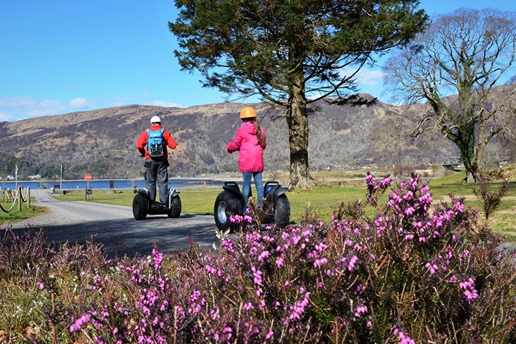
{"x":143,"y":206}
{"x":276,"y":206}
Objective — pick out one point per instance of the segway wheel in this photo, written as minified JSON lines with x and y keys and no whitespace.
{"x":282,"y":212}
{"x":175,"y":207}
{"x":140,"y":205}
{"x":226,"y":205}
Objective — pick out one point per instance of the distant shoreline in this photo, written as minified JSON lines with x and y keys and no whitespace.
{"x":77,"y":184}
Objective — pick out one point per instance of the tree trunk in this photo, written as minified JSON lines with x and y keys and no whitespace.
{"x":298,"y":137}
{"x":467,"y":125}
{"x":469,"y":156}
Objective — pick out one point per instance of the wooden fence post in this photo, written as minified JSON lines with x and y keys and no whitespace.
{"x":19,"y":198}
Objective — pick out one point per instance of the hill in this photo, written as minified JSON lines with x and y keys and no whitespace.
{"x":102,"y":142}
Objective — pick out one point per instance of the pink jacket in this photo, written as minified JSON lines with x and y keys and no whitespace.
{"x":250,"y":158}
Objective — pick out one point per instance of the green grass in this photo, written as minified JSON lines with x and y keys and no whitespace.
{"x":26,"y":212}
{"x":324,"y":200}
{"x":201,"y":201}
{"x":504,"y":219}
{"x":194,"y":201}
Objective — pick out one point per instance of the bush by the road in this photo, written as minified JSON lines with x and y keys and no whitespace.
{"x":407,"y":274}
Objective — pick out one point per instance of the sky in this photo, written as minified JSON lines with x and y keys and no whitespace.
{"x":62,"y":56}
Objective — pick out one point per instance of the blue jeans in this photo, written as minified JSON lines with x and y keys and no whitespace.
{"x":246,"y":187}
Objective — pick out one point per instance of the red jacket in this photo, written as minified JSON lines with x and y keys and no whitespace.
{"x":250,"y":158}
{"x":141,"y":143}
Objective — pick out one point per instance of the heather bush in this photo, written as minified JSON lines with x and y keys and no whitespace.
{"x":411,"y":273}
{"x":42,"y":286}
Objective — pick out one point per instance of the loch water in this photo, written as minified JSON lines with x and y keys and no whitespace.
{"x":176,"y":183}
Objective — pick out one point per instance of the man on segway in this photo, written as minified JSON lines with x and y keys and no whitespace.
{"x":152,"y":144}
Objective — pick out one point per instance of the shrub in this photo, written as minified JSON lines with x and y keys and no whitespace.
{"x":490,"y":199}
{"x":405,"y":275}
{"x":42,"y":285}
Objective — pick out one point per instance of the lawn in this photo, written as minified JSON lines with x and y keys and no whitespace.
{"x":324,"y":200}
{"x":10,"y":211}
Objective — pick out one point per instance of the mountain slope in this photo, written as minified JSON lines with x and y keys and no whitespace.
{"x":102,"y":142}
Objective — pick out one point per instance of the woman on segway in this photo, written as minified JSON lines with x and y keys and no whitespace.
{"x":250,"y":142}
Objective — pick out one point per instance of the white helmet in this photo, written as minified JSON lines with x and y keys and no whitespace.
{"x":155,"y":119}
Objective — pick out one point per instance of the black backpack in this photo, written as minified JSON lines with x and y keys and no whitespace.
{"x":155,"y":143}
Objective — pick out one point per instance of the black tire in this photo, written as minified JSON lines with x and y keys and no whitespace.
{"x":140,"y":207}
{"x":282,"y":211}
{"x":226,"y":205}
{"x":175,"y":207}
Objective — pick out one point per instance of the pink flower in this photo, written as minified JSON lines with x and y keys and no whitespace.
{"x":459,"y":207}
{"x":409,"y":211}
{"x":158,"y":258}
{"x":386,"y":182}
{"x":228,"y":332}
{"x":298,"y":308}
{"x":433,"y":268}
{"x":360,"y":310}
{"x":320,"y":262}
{"x":470,"y":292}
{"x":321,"y":247}
{"x":79,"y":323}
{"x":352,"y":263}
{"x":228,"y":245}
{"x":279,"y":261}
{"x":257,"y":276}
{"x":264,"y":255}
{"x":404,"y":339}
{"x":369,"y":179}
{"x":214,"y":271}
{"x":409,"y":236}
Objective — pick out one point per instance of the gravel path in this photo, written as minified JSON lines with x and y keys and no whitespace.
{"x":69,"y":213}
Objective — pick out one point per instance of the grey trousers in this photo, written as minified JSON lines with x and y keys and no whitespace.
{"x":156,"y":175}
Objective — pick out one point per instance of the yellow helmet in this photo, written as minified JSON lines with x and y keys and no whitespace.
{"x":247,"y":112}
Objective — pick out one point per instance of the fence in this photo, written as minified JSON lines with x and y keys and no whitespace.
{"x":17,"y":197}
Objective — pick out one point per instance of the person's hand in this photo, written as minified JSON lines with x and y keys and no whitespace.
{"x":229,"y":150}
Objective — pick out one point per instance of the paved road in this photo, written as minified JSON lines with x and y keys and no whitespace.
{"x":115,"y":227}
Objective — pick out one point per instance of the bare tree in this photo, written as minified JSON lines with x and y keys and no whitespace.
{"x":467,"y":53}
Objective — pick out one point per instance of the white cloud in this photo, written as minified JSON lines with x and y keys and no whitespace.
{"x":4,"y":117}
{"x":79,"y":103}
{"x":121,"y":101}
{"x":18,"y":108}
{"x":163,"y":103}
{"x":368,"y":77}
{"x":368,"y":80}
{"x":148,"y":101}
